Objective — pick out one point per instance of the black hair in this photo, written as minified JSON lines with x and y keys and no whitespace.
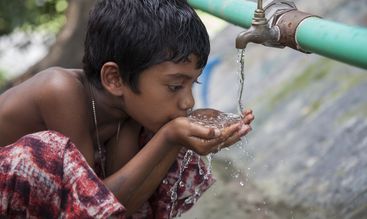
{"x":137,"y":34}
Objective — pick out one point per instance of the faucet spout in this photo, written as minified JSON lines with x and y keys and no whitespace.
{"x":261,"y":34}
{"x":279,"y":31}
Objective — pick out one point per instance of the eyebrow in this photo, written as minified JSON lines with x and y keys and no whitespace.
{"x":179,"y":75}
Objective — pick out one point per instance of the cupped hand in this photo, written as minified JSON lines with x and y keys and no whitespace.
{"x":204,"y":132}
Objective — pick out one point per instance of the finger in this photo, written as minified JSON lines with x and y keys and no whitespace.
{"x":204,"y":146}
{"x":242,"y":132}
{"x":229,"y":131}
{"x":248,"y":118}
{"x":202,"y":139}
{"x":203,"y":132}
{"x":247,"y":111}
{"x":236,"y":137}
{"x":229,"y":136}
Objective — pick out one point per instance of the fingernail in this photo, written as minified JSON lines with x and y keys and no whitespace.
{"x":216,"y":132}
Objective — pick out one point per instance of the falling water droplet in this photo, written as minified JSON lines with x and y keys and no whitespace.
{"x":209,"y":171}
{"x":173,"y":191}
{"x":201,"y":171}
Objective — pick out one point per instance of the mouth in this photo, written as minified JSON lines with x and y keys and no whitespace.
{"x":188,"y":112}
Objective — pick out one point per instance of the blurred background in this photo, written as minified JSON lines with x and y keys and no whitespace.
{"x":307,"y":154}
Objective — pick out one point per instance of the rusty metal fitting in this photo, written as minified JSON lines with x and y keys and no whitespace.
{"x":288,"y":23}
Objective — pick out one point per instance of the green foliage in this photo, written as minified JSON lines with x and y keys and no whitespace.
{"x":31,"y":14}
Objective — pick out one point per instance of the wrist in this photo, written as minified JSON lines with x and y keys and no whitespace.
{"x":168,"y":137}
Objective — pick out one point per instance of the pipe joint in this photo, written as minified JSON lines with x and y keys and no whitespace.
{"x":287,"y":22}
{"x":274,"y":26}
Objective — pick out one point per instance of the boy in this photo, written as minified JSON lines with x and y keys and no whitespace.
{"x":141,"y":59}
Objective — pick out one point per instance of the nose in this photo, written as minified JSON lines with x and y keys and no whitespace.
{"x":187,"y":101}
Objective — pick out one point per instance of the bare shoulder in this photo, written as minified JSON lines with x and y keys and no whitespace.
{"x":51,"y":99}
{"x":51,"y":84}
{"x":59,"y":89}
{"x":59,"y":79}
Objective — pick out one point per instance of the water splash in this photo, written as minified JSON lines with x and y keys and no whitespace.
{"x":200,"y":168}
{"x":173,"y":191}
{"x":212,"y":119}
{"x":240,"y":174}
{"x":210,"y":158}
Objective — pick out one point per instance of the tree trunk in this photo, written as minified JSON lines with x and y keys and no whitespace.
{"x":68,"y":49}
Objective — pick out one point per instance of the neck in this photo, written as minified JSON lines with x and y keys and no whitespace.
{"x":108,"y":107}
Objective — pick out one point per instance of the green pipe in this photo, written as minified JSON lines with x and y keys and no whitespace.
{"x":237,"y":12}
{"x":337,"y":41}
{"x":340,"y":42}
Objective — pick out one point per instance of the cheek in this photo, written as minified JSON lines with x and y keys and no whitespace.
{"x":148,"y":113}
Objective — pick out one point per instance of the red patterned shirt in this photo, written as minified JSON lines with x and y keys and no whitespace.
{"x":43,"y":175}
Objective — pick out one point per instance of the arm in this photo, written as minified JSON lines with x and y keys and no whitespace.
{"x":149,"y":184}
{"x":134,"y":183}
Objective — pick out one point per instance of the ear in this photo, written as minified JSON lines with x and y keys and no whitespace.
{"x":111,"y":79}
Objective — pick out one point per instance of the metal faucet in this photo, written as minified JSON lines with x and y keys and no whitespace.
{"x":284,"y":18}
{"x":259,"y":32}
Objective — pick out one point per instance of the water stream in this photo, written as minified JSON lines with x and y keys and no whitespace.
{"x":241,"y":73}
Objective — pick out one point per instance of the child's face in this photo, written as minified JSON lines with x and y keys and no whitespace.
{"x":165,"y":93}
